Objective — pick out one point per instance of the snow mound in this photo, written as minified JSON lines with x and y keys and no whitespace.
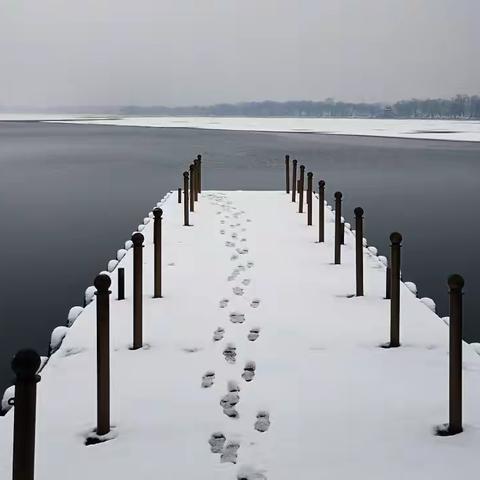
{"x":413,"y":288}
{"x":121,"y":253}
{"x":7,"y":400}
{"x":57,"y":337}
{"x":373,"y":250}
{"x":128,"y":245}
{"x":429,"y":303}
{"x":383,"y":260}
{"x":89,"y":294}
{"x":112,"y":264}
{"x":73,"y":313}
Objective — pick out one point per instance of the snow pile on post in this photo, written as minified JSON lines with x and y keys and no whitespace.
{"x":257,"y":363}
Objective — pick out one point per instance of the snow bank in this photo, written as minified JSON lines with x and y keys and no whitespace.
{"x":57,"y":337}
{"x":460,"y":130}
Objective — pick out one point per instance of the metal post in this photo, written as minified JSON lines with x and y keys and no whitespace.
{"x":195,"y":179}
{"x":121,"y":283}
{"x":456,"y":283}
{"x":102,"y":284}
{"x":137,"y":239}
{"x":294,"y":179}
{"x":338,"y":216}
{"x":342,"y":233}
{"x":192,"y":188}
{"x":396,"y":240}
{"x":25,"y":364}
{"x":157,"y":240}
{"x":185,"y":199}
{"x":309,"y":197}
{"x":388,"y":286}
{"x":301,"y":188}
{"x":321,"y":211}
{"x":359,"y":250}
{"x":179,"y":195}
{"x":199,"y":159}
{"x":287,"y":173}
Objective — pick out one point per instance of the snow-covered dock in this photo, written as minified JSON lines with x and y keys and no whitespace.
{"x":257,"y":364}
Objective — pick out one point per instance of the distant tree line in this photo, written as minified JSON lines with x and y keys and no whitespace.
{"x":459,"y":107}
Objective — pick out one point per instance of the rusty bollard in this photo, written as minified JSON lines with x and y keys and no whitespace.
{"x":102,"y":284}
{"x":321,"y":211}
{"x":338,"y":226}
{"x":179,"y":195}
{"x":199,"y":162}
{"x":137,"y":239}
{"x":396,"y":240}
{"x":359,"y":250}
{"x":192,"y":187}
{"x":25,"y":364}
{"x":157,"y":240}
{"x":287,"y":173}
{"x":309,"y":197}
{"x":121,"y":283}
{"x":456,"y":283}
{"x":294,"y":180}
{"x":301,"y":188}
{"x":185,"y":200}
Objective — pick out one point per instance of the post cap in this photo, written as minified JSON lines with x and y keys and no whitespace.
{"x":456,"y":282}
{"x":287,"y":158}
{"x":25,"y":364}
{"x":157,"y":213}
{"x":294,"y":162}
{"x":199,"y":157}
{"x":102,"y":283}
{"x":137,"y":239}
{"x":396,"y":238}
{"x":321,"y":183}
{"x":185,"y":174}
{"x":358,"y":212}
{"x":309,"y":174}
{"x":302,"y":167}
{"x":338,"y":195}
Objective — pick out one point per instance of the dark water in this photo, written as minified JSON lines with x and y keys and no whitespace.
{"x":70,"y":195}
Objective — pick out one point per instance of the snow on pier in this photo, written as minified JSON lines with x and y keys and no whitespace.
{"x":257,"y":364}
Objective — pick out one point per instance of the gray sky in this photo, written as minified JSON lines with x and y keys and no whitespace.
{"x":183,"y":52}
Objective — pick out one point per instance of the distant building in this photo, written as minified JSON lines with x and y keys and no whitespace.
{"x":388,"y":112}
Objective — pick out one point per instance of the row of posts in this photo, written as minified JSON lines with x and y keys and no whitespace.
{"x":393,"y":279}
{"x":26,"y":363}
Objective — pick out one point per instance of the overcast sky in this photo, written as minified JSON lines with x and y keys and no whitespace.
{"x":183,"y":52}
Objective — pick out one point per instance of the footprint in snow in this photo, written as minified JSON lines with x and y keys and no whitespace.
{"x":218,"y":334}
{"x":230,"y":353}
{"x":230,"y":452}
{"x":247,"y":473}
{"x":229,"y":244}
{"x":250,"y":264}
{"x":207,"y":379}
{"x":242,"y":251}
{"x":222,"y":232}
{"x":253,"y":334}
{"x":228,"y":402}
{"x":217,"y":442}
{"x":249,"y":371}
{"x":243,"y":240}
{"x":236,"y":317}
{"x":234,"y":235}
{"x":263,"y":421}
{"x":223,"y":302}
{"x":234,"y":257}
{"x":246,"y":281}
{"x":222,"y":222}
{"x":241,"y":268}
{"x":255,"y":303}
{"x":238,"y":291}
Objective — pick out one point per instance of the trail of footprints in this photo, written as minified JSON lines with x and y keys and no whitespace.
{"x":231,"y":217}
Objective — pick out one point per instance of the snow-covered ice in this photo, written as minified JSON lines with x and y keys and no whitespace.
{"x":284,"y":381}
{"x":460,"y":130}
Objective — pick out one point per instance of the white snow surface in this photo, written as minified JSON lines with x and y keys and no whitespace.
{"x":460,"y":130}
{"x":334,"y":404}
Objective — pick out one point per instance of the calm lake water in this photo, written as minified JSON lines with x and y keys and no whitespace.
{"x":70,"y":195}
